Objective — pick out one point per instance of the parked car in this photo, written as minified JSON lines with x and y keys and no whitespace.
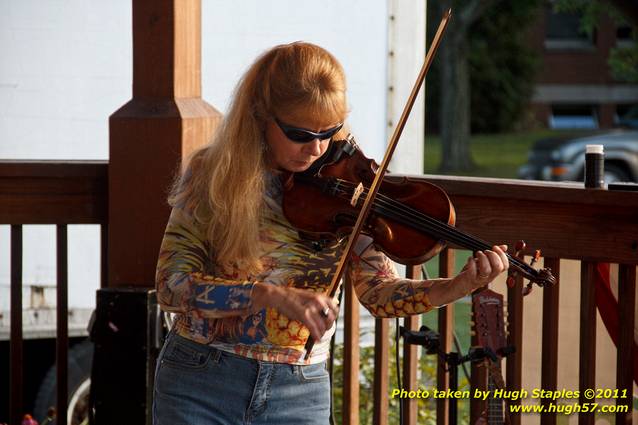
{"x":563,"y":158}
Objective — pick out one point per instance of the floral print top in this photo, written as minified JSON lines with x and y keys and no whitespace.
{"x":213,"y":306}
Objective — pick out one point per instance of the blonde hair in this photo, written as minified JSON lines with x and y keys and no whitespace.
{"x":222,"y":186}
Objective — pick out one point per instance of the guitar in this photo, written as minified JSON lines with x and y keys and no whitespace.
{"x":489,"y":326}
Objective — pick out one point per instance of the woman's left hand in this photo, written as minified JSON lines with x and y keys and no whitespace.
{"x":482,"y":268}
{"x":479,"y":270}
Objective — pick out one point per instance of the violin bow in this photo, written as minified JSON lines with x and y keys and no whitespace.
{"x":374,"y":188}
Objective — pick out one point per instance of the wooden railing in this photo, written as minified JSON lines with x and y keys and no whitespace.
{"x":48,"y":192}
{"x":565,"y":220}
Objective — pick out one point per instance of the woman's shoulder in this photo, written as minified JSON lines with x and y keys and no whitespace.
{"x":184,"y":227}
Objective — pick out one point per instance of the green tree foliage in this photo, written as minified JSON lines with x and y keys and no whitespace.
{"x":502,"y":67}
{"x":623,"y":60}
{"x":624,"y":63}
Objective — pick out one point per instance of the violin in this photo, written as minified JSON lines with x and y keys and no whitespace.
{"x":410,"y":220}
{"x":407,"y":210}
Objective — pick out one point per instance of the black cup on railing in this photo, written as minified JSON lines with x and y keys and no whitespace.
{"x":594,"y":167}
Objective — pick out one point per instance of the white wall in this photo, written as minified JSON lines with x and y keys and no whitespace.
{"x":235,"y":33}
{"x":65,"y":67}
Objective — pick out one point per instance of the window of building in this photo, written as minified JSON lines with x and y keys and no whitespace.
{"x":625,"y":36}
{"x":626,"y":115}
{"x":563,"y":31}
{"x":565,"y":117}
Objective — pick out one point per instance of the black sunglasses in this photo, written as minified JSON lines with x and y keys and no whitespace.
{"x":301,"y":135}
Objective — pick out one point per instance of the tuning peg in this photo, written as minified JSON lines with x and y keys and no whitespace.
{"x":528,"y":289}
{"x":472,"y":333}
{"x":519,"y":247}
{"x":536,"y":257}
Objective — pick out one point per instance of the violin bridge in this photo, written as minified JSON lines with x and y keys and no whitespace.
{"x":356,"y":194}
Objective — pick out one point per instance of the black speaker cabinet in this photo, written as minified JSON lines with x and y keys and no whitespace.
{"x":127,"y":334}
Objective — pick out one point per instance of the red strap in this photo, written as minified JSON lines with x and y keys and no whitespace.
{"x":608,"y":307}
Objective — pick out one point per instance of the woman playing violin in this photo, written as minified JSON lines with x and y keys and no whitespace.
{"x":247,"y":290}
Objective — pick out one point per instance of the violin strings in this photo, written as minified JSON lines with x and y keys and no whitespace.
{"x":417,"y":218}
{"x":389,"y":206}
{"x":458,"y":239}
{"x":449,"y":232}
{"x":409,"y":212}
{"x":445,"y":230}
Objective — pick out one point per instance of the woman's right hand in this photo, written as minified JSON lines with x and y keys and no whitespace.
{"x":298,"y":304}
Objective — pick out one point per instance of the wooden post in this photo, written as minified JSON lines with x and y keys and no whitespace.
{"x":149,"y":136}
{"x":587,"y":357}
{"x":351,"y":364}
{"x":410,"y":358}
{"x":625,"y":356}
{"x":549,"y":368}
{"x":446,"y":331}
{"x":381,"y":378}
{"x":514,"y":368}
{"x":16,"y":347}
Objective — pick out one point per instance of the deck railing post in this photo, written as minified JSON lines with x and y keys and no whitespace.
{"x":514,"y":366}
{"x":62,"y":325}
{"x":549,"y":367}
{"x":410,"y":359}
{"x":17,"y":343}
{"x":446,"y":332}
{"x":587,"y":349}
{"x":381,"y":378}
{"x":149,"y":137}
{"x":625,"y":358}
{"x":351,"y":361}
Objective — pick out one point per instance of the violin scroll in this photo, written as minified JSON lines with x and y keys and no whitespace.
{"x":542,"y":277}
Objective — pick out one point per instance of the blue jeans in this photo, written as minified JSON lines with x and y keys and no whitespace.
{"x":199,"y":385}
